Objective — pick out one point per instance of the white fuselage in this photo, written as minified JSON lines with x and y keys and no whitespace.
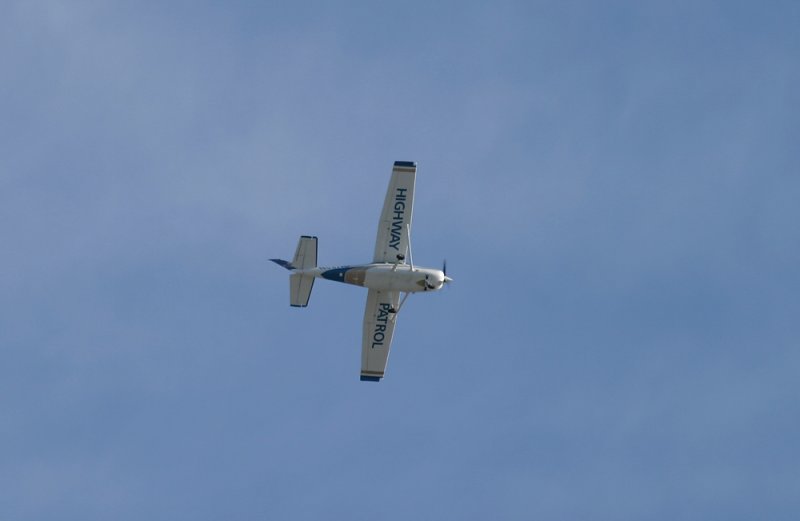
{"x":384,"y":277}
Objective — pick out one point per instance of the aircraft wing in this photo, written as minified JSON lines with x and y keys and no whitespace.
{"x":398,"y":206}
{"x":378,"y":331}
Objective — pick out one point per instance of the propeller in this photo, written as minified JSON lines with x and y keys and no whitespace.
{"x":444,"y":270}
{"x":447,"y":279}
{"x":437,"y":283}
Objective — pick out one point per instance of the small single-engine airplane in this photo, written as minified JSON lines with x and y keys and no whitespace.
{"x":386,"y":277}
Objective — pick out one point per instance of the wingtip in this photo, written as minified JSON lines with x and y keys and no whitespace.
{"x":406,"y":164}
{"x":370,"y":378}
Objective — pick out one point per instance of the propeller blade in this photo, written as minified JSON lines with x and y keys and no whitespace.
{"x":444,"y":271}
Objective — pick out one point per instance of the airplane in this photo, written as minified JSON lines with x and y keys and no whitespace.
{"x":386,"y":277}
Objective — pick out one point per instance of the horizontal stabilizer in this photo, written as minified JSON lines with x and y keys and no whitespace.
{"x":301,"y":282}
{"x":300,"y":287}
{"x":305,"y":257}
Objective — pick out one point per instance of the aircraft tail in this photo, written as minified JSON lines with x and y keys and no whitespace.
{"x":300,"y":287}
{"x":305,"y":258}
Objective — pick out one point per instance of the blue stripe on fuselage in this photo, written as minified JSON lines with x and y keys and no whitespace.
{"x":336,"y":274}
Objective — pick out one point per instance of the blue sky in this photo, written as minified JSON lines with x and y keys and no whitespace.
{"x":614,"y":186}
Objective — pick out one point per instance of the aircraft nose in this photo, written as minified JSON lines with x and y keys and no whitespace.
{"x":432,"y":280}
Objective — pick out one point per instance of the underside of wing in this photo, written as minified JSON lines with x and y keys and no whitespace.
{"x":391,"y":244}
{"x":379,"y":321}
